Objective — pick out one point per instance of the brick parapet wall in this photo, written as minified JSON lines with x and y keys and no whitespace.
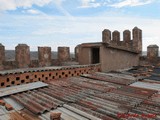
{"x":17,"y":77}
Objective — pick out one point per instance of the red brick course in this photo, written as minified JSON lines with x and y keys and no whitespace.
{"x":45,"y":76}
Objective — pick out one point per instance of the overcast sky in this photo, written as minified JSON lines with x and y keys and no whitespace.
{"x":70,"y":22}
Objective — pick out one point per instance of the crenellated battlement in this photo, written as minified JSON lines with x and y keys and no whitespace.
{"x":114,"y":38}
{"x":23,"y":59}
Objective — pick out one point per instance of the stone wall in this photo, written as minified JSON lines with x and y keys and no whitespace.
{"x":113,"y":38}
{"x":2,"y":56}
{"x":114,"y":59}
{"x":9,"y":65}
{"x":23,"y":60}
{"x":112,"y":53}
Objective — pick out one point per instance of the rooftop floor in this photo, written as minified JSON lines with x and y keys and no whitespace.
{"x":107,"y":96}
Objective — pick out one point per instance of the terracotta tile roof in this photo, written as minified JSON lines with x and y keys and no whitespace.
{"x":94,"y":96}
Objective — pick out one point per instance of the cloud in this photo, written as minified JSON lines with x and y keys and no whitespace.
{"x":113,"y":3}
{"x":50,"y":31}
{"x":56,"y":31}
{"x":61,"y":30}
{"x":14,"y":4}
{"x":89,"y":4}
{"x":6,"y":5}
{"x":131,"y":3}
{"x":32,"y":11}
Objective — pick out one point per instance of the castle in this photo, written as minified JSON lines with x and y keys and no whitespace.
{"x":23,"y":59}
{"x":46,"y":89}
{"x":113,"y":53}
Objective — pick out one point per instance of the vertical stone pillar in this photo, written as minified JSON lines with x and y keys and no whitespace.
{"x":76,"y":52}
{"x":44,"y":56}
{"x":127,"y":38}
{"x":116,"y":37}
{"x":106,"y":36}
{"x":137,"y":39}
{"x":126,"y":35}
{"x":2,"y":56}
{"x":152,"y":52}
{"x":22,"y":56}
{"x":63,"y":54}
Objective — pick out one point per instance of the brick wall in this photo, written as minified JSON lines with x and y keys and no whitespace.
{"x":16,"y":78}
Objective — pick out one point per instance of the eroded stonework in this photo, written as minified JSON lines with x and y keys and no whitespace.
{"x":152,"y":52}
{"x":22,"y":56}
{"x":63,"y":54}
{"x":44,"y":56}
{"x":2,"y":56}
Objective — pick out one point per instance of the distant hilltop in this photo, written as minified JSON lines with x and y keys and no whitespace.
{"x":10,"y":55}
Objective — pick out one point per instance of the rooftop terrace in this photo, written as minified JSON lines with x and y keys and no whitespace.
{"x":93,"y":96}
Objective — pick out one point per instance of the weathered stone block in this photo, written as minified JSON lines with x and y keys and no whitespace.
{"x":127,"y":39}
{"x":2,"y":56}
{"x":63,"y":54}
{"x":106,"y":36}
{"x":116,"y":36}
{"x":152,"y":52}
{"x":137,"y":39}
{"x":76,"y":51}
{"x":44,"y":56}
{"x":126,"y":35}
{"x":22,"y":55}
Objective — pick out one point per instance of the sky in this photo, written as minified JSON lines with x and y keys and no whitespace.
{"x":56,"y":23}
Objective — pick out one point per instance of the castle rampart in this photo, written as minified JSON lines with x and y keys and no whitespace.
{"x":113,"y":38}
{"x":23,"y":57}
